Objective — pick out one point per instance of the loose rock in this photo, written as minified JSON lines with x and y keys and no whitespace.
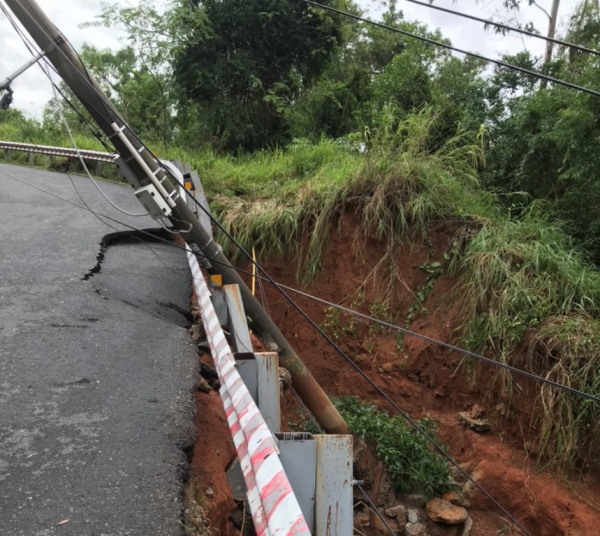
{"x":414,"y":529}
{"x":477,"y":425}
{"x":399,"y":514}
{"x":412,"y":516}
{"x":466,"y":530}
{"x":380,"y":527}
{"x":388,"y":367}
{"x":285,"y":378}
{"x":442,"y":511}
{"x":456,"y":497}
{"x":204,"y":386}
{"x":477,"y":411}
{"x":440,"y":392}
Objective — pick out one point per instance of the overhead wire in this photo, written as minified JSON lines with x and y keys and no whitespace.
{"x":110,"y":218}
{"x":375,"y":510}
{"x":406,"y":331}
{"x":382,"y":393}
{"x":506,"y":27}
{"x":441,"y":44}
{"x":29,"y":46}
{"x":84,"y":165}
{"x":413,"y":423}
{"x":33,"y":50}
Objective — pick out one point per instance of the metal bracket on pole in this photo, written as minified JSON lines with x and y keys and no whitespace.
{"x":5,"y":85}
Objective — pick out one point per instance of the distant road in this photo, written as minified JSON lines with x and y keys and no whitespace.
{"x":96,"y":376}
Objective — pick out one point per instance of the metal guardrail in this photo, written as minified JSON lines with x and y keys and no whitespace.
{"x":296,"y":484}
{"x":30,"y":148}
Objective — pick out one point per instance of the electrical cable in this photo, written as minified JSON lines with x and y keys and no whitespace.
{"x":54,"y":86}
{"x":98,"y":215}
{"x":501,"y":63}
{"x":413,"y":423}
{"x":97,"y":134}
{"x":426,"y":338}
{"x":376,"y":511}
{"x":503,"y":26}
{"x":68,"y":129}
{"x":32,"y":49}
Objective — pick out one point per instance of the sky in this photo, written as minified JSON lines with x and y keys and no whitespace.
{"x":32,"y":89}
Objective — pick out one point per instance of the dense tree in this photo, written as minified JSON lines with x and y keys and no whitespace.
{"x":250,"y":63}
{"x":545,"y":142}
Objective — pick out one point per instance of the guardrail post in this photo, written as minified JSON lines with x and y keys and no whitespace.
{"x":98,"y":170}
{"x":298,"y":454}
{"x":333,"y":498}
{"x":260,"y":373}
{"x":269,"y":398}
{"x":238,"y":325}
{"x":52,"y":158}
{"x":30,"y":158}
{"x":8,"y":155}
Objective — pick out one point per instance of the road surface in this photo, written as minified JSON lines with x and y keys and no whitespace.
{"x":96,"y":375}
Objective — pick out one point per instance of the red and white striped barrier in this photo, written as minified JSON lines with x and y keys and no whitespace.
{"x":275,"y":509}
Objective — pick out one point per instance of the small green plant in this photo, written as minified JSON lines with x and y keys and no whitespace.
{"x":433,"y":271}
{"x":407,"y":455}
{"x":380,"y":310}
{"x":336,"y":325}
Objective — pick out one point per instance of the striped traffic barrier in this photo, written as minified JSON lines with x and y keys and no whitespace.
{"x":273,"y":504}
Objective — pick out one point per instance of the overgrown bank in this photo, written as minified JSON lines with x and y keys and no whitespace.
{"x":528,"y":296}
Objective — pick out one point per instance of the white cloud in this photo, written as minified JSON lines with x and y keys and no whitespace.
{"x":32,"y":89}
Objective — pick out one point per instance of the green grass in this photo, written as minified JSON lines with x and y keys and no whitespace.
{"x":287,"y":202}
{"x":408,"y":457}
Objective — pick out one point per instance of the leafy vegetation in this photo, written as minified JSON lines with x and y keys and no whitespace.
{"x":408,"y":457}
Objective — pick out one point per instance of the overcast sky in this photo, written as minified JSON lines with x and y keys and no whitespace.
{"x":32,"y":89}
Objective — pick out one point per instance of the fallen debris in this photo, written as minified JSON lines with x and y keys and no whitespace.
{"x":442,"y":511}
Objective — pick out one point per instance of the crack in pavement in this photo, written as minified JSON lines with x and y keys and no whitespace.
{"x":152,"y":235}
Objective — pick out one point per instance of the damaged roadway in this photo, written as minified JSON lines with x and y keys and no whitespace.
{"x":96,"y":375}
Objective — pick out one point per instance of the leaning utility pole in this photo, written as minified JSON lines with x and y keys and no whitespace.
{"x":146,"y":175}
{"x":551,"y":34}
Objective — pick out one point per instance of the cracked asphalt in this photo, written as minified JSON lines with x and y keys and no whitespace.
{"x":97,"y":375}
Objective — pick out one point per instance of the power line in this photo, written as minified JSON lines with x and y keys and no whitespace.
{"x":413,"y":423}
{"x":68,"y":129}
{"x":99,"y":215}
{"x":66,"y":125}
{"x":503,"y":26}
{"x":459,"y":50}
{"x":32,"y":50}
{"x":426,"y":338}
{"x":326,"y":337}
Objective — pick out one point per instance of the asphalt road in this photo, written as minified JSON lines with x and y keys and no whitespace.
{"x":97,"y":375}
